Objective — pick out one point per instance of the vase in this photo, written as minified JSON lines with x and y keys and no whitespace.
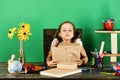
{"x":22,"y":58}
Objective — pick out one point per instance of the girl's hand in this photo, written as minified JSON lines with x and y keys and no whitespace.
{"x":79,"y":62}
{"x":52,"y":63}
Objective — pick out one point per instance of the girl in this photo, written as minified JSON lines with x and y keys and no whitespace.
{"x":66,"y":34}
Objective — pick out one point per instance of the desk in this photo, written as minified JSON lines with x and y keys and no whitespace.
{"x":94,"y":75}
{"x":113,"y":42}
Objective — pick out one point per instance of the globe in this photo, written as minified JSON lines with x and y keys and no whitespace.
{"x":16,"y":66}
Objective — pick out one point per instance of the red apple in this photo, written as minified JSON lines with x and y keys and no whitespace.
{"x":108,"y":25}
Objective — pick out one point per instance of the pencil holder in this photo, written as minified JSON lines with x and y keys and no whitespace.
{"x":98,"y":62}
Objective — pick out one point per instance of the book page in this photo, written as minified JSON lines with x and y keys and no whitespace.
{"x":66,"y":53}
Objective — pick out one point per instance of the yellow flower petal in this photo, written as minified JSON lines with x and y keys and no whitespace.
{"x":11,"y":32}
{"x":25,"y":26}
{"x":23,"y":33}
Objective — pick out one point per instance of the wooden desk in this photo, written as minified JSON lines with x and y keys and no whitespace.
{"x":94,"y":75}
{"x":113,"y":42}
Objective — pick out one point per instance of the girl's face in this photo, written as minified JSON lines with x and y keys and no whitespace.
{"x":66,"y":31}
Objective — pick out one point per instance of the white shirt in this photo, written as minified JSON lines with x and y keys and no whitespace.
{"x":55,"y":41}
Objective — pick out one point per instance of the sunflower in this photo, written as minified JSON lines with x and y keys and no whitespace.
{"x":11,"y":32}
{"x":25,"y":26}
{"x":23,"y":33}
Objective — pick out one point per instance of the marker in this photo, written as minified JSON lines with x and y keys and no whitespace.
{"x":86,"y":70}
{"x":92,"y":52}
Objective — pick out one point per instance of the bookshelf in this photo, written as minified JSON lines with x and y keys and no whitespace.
{"x":114,"y":50}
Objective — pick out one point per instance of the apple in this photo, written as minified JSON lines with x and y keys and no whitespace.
{"x":108,"y":25}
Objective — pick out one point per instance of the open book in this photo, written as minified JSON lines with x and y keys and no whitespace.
{"x":66,"y":55}
{"x":66,"y":52}
{"x":56,"y":72}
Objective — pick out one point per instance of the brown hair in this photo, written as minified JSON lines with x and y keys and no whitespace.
{"x":58,"y":31}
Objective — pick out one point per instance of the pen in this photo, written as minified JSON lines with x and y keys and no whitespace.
{"x":86,"y":70}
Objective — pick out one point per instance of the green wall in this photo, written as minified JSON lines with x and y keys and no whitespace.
{"x":41,"y":14}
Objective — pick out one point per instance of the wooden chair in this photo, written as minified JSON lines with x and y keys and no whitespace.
{"x":48,"y":35}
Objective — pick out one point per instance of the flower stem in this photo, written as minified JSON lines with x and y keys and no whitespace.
{"x":21,"y":53}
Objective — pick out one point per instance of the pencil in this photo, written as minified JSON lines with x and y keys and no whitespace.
{"x":108,"y":73}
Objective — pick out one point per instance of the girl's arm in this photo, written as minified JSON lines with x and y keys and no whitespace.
{"x":84,"y":59}
{"x":49,"y":57}
{"x":49,"y":60}
{"x":84,"y":55}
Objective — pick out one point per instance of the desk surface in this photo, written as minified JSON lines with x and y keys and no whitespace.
{"x":94,"y":75}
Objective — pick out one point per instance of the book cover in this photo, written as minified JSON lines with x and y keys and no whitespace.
{"x":56,"y":72}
